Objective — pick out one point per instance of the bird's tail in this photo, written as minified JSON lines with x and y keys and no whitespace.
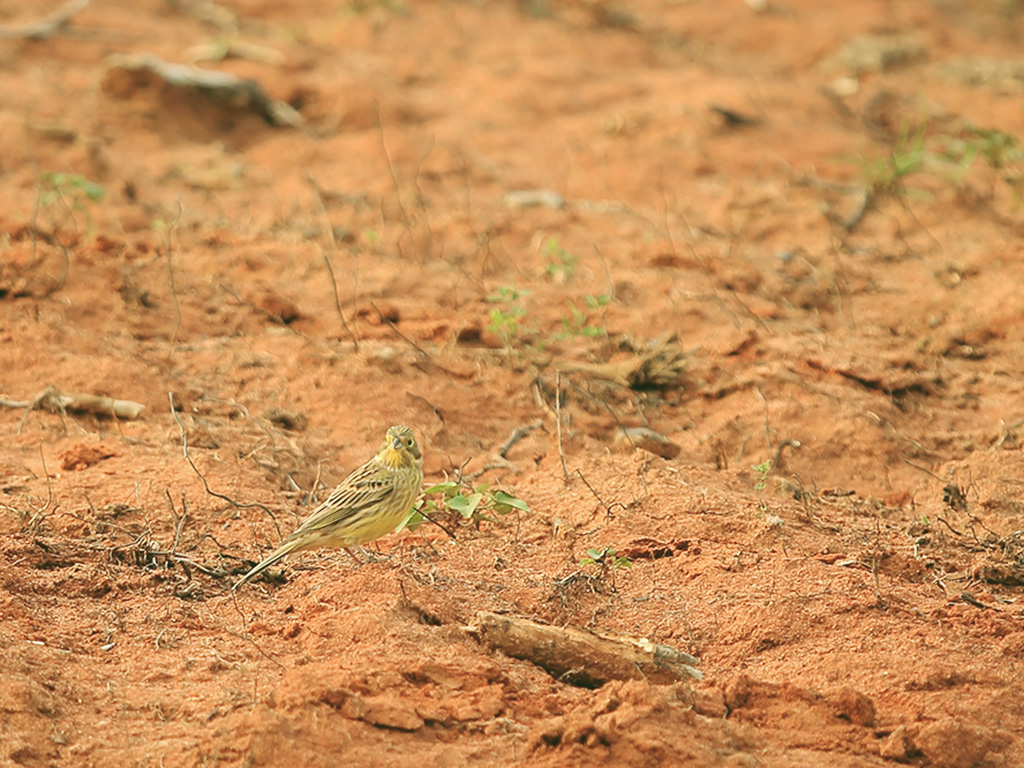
{"x":281,"y":552}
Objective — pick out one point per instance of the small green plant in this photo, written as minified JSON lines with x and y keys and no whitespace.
{"x":464,"y":502}
{"x":507,"y":324}
{"x":73,"y":188}
{"x":67,"y":194}
{"x":606,"y":558}
{"x":946,"y":157}
{"x":561,"y":262}
{"x":762,"y":471}
{"x":886,"y":174}
{"x":1003,"y":153}
{"x":507,"y":294}
{"x":580,"y":323}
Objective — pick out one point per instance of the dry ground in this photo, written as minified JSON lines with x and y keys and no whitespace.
{"x":801,"y":197}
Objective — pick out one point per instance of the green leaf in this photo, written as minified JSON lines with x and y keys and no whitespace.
{"x":448,"y":489}
{"x":92,"y":190}
{"x":465,"y":505}
{"x":412,"y":521}
{"x":505,"y":503}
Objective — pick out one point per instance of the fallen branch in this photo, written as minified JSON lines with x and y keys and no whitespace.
{"x":650,"y":441}
{"x":53,"y":399}
{"x":581,"y":657}
{"x":38,"y":30}
{"x":232,"y":90}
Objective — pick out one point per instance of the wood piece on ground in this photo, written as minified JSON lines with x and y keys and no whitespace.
{"x":232,"y":90}
{"x":38,"y":30}
{"x":53,"y":399}
{"x":649,"y":440}
{"x":586,"y":658}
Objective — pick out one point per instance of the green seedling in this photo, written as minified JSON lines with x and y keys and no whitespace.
{"x":67,"y":194}
{"x":471,"y":504}
{"x":507,"y":324}
{"x":579,"y":324}
{"x":762,"y":471}
{"x":561,"y":262}
{"x":606,"y":558}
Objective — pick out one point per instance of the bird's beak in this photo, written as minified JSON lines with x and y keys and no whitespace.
{"x":396,"y":443}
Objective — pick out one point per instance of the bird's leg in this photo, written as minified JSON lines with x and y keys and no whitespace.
{"x":369,"y":555}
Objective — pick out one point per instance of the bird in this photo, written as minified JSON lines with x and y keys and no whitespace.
{"x":369,"y":503}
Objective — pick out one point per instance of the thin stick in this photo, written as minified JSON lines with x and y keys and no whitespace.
{"x":558,"y":423}
{"x":311,"y":499}
{"x":918,"y":467}
{"x":518,"y":434}
{"x":428,"y":518}
{"x":426,"y":355}
{"x":245,"y":636}
{"x":49,"y":491}
{"x":170,"y":275}
{"x":607,"y":506}
{"x":206,"y":485}
{"x":390,"y":324}
{"x":329,"y":230}
{"x":391,"y":169}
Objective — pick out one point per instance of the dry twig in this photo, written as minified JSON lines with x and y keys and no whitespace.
{"x":518,"y":434}
{"x":329,"y":232}
{"x":558,"y":423}
{"x":47,"y":27}
{"x":206,"y":485}
{"x":170,"y":270}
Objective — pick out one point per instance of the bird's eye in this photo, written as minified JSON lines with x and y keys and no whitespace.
{"x":409,"y":442}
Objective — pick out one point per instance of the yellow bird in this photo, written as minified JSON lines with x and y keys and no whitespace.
{"x":369,"y":503}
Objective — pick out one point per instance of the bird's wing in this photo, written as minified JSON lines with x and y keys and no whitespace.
{"x":368,"y":485}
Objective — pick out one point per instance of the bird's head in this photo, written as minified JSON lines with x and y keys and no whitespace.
{"x":400,"y":448}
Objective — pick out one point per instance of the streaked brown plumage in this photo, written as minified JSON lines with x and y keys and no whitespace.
{"x":369,"y":503}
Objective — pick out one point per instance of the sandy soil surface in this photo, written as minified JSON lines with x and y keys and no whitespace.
{"x":785,"y":240}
